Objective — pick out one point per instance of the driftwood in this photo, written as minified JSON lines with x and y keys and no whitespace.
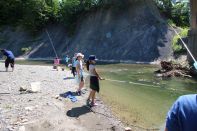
{"x":168,"y":69}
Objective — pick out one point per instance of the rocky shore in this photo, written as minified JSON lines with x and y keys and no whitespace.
{"x":46,"y":110}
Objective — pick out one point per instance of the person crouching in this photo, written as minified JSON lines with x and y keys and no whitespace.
{"x":10,"y":59}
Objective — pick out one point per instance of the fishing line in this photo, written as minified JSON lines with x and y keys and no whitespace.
{"x":135,"y":83}
{"x":130,"y":82}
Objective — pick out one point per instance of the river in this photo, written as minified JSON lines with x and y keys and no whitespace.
{"x":139,"y":97}
{"x":135,"y":94}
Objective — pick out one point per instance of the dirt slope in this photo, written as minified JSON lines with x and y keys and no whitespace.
{"x":134,"y":32}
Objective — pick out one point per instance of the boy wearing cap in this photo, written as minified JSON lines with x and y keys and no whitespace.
{"x":94,"y":80}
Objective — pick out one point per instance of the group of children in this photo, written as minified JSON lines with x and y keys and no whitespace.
{"x":78,"y":71}
{"x":94,"y":76}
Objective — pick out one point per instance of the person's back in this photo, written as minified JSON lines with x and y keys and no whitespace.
{"x":183,"y":114}
{"x":74,"y":62}
{"x":9,"y":54}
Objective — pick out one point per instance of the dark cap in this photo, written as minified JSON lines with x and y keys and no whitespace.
{"x":92,"y":57}
{"x":2,"y":50}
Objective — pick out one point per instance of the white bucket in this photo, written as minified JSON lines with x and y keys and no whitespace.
{"x":35,"y":86}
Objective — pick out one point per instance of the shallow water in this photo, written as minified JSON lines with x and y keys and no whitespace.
{"x":138,"y":97}
{"x":146,"y":101}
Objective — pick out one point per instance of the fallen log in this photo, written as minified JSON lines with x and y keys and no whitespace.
{"x":168,"y":69}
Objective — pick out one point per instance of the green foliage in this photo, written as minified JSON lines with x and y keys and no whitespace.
{"x":170,"y":22}
{"x":71,"y":10}
{"x":26,"y":49}
{"x":176,"y":46}
{"x":178,"y":13}
{"x":36,"y":14}
{"x":33,"y":14}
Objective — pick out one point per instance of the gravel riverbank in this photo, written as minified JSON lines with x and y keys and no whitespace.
{"x":46,"y":110}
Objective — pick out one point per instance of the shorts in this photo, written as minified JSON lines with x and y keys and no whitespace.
{"x":73,"y":70}
{"x":9,"y":61}
{"x":94,"y":83}
{"x":81,"y":79}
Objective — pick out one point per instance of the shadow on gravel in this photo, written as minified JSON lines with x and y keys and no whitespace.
{"x":66,"y":94}
{"x":5,"y":71}
{"x":69,"y":78}
{"x":78,"y":111}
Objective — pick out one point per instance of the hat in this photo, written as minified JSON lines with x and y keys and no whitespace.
{"x":92,"y":57}
{"x":80,"y":54}
{"x":2,"y":50}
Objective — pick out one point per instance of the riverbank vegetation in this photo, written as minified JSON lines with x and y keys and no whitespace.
{"x":35,"y":14}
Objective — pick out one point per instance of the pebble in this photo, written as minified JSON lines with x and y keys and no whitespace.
{"x":22,"y":88}
{"x":24,"y":120}
{"x":128,"y":129}
{"x":29,"y":108}
{"x":10,"y":128}
{"x":21,"y":128}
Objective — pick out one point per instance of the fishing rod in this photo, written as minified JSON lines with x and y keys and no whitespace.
{"x":195,"y":62}
{"x":51,"y":43}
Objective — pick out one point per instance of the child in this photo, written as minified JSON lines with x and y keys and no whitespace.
{"x":56,"y":63}
{"x":94,"y":80}
{"x":67,"y":60}
{"x":79,"y":69}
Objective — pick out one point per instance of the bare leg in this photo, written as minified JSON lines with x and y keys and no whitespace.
{"x":90,"y":95}
{"x":93,"y":96}
{"x":12,"y":69}
{"x":81,"y":84}
{"x":6,"y":69}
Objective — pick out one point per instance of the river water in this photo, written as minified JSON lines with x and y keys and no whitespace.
{"x":139,"y":97}
{"x":135,"y":94}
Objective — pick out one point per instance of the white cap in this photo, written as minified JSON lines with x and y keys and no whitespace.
{"x":80,"y":54}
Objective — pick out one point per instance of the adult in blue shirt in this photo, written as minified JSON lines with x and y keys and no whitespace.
{"x":183,"y":114}
{"x":9,"y":58}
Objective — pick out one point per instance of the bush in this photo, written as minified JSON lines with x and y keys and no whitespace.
{"x":26,"y":49}
{"x":178,"y":13}
{"x":176,"y":46}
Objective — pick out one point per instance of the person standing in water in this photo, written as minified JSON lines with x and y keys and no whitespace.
{"x":94,"y":80}
{"x":79,"y":69}
{"x":10,"y":59}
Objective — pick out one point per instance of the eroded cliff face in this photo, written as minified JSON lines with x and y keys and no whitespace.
{"x":133,"y":31}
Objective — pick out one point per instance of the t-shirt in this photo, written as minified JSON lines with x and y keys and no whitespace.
{"x":56,"y":61}
{"x":9,"y":54}
{"x":91,"y":70}
{"x":80,"y":65}
{"x":67,"y":59}
{"x":183,"y":114}
{"x":74,"y":62}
